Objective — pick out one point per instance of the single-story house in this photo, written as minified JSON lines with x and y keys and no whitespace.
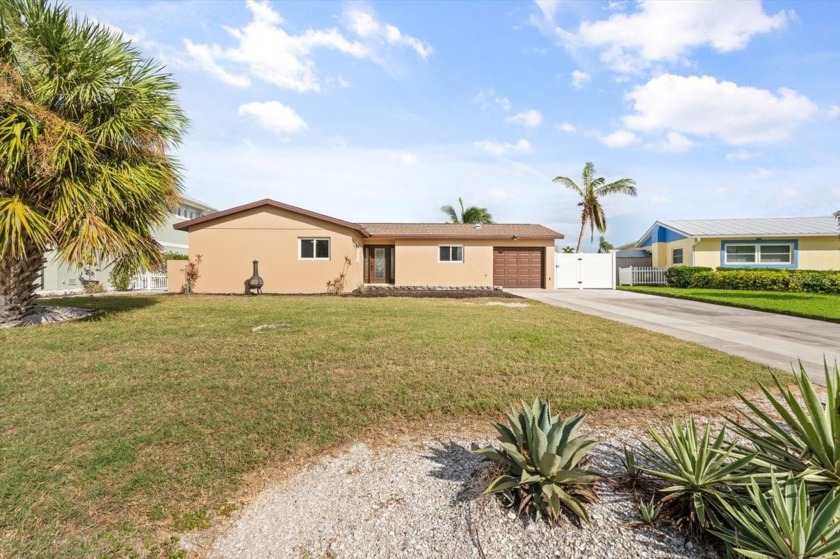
{"x":810,"y":243}
{"x":299,"y":251}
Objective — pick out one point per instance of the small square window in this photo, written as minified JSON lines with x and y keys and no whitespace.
{"x":315,"y":249}
{"x":451,"y":253}
{"x":677,"y":256}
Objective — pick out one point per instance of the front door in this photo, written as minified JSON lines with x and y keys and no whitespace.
{"x":380,"y":264}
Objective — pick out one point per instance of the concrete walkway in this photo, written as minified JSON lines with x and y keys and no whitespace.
{"x":773,"y":339}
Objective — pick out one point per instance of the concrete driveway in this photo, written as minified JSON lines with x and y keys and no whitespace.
{"x":773,"y":339}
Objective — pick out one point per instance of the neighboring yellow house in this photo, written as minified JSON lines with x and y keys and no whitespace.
{"x":808,"y":243}
{"x":299,"y":251}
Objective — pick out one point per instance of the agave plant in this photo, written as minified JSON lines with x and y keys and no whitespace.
{"x":693,"y":471}
{"x":633,"y":473}
{"x":783,"y":525}
{"x":650,"y":512}
{"x":809,"y":444}
{"x":542,"y":460}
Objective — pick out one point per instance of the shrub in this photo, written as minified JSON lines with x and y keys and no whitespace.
{"x":650,"y":512}
{"x":810,"y":281}
{"x":191,"y":274}
{"x":808,"y":445}
{"x":693,"y":472}
{"x":120,"y":279}
{"x":680,"y":276}
{"x":783,"y":524}
{"x":542,"y":460}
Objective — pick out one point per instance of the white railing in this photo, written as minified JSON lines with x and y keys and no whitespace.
{"x":149,"y":281}
{"x":641,"y":275}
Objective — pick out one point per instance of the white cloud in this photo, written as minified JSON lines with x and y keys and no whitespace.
{"x":486,"y":98}
{"x":274,"y":116}
{"x":703,"y":106}
{"x":408,"y":159}
{"x":206,"y":55}
{"x":833,"y":111}
{"x":761,"y":173}
{"x":743,"y":155}
{"x":364,"y":24}
{"x":620,"y":139}
{"x":721,"y":190}
{"x":666,"y":32}
{"x":548,"y":8}
{"x":502,"y":149}
{"x":529,"y":119}
{"x":580,"y":79}
{"x":676,"y":143}
{"x":566,"y":127}
{"x":265,"y":51}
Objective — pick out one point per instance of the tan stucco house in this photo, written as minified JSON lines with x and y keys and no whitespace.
{"x":809,"y":243}
{"x":299,"y":251}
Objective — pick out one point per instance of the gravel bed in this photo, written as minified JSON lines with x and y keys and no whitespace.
{"x":45,"y":315}
{"x":419,"y":500}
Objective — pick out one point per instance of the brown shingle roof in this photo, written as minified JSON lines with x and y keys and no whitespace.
{"x":460,"y":231}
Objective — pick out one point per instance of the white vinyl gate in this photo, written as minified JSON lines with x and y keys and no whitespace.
{"x":585,"y":271}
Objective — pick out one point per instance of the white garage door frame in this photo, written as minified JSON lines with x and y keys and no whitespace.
{"x":584,"y":271}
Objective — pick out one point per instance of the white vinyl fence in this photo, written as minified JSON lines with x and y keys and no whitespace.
{"x":585,"y":271}
{"x":149,"y":281}
{"x":641,"y":275}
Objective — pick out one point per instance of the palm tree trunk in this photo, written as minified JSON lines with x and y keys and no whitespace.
{"x":580,"y":237}
{"x":17,"y":285}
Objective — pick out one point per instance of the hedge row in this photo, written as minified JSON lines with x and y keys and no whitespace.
{"x":681,"y":276}
{"x":808,"y":281}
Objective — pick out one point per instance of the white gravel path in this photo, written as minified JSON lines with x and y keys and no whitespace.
{"x":418,"y":500}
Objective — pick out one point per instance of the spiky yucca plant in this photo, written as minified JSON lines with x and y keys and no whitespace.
{"x":808,"y":445}
{"x":542,"y":458}
{"x":693,"y":470}
{"x":650,"y":512}
{"x":783,"y":525}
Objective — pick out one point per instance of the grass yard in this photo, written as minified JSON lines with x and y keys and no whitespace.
{"x":119,"y":431}
{"x":809,"y":305}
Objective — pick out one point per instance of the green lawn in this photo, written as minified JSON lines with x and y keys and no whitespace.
{"x":809,"y":305}
{"x":120,"y":431}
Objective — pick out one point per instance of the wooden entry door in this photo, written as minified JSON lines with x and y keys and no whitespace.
{"x":380,"y":263}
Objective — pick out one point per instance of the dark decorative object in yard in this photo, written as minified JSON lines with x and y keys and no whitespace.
{"x":255,"y":282}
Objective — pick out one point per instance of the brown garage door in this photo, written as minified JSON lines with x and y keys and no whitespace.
{"x":518,"y":267}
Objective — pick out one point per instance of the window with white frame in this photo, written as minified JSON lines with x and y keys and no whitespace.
{"x":314,"y":249}
{"x":781,"y":253}
{"x":677,"y":256}
{"x":451,"y":253}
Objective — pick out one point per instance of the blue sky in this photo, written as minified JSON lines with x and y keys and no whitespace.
{"x":385,"y":111}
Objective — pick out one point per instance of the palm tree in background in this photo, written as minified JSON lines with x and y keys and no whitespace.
{"x":86,"y":125}
{"x":604,"y":246}
{"x":591,"y":191}
{"x":473,"y":214}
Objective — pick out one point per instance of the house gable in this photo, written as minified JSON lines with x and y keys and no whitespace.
{"x":659,"y":233}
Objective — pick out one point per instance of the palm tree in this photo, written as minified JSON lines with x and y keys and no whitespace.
{"x":473,"y":214}
{"x":604,"y":246}
{"x":591,"y":192}
{"x":85,"y":128}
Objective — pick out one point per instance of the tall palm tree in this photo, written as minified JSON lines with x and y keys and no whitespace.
{"x":604,"y":246}
{"x":591,"y":191}
{"x":86,"y":125}
{"x":473,"y":214}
